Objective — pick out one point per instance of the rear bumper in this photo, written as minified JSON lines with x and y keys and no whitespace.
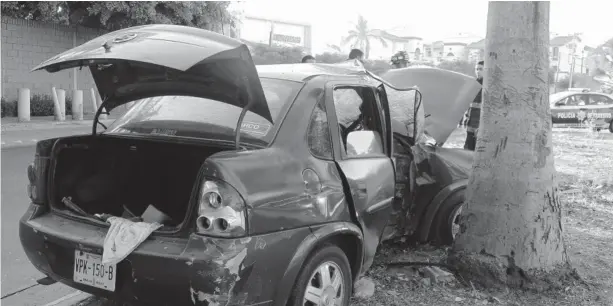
{"x":166,"y":270}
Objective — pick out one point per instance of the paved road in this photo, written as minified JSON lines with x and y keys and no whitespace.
{"x":17,"y":272}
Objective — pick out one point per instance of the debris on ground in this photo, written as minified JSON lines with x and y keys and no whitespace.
{"x":364,"y":288}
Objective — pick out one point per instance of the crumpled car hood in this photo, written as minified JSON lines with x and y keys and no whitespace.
{"x":446,"y":95}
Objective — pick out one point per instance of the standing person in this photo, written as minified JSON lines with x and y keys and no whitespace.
{"x":356,"y":54}
{"x":474,"y":113}
{"x":308,"y":59}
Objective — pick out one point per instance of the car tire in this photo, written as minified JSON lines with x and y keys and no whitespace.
{"x":445,"y":226}
{"x":327,"y":258}
{"x":611,"y":126}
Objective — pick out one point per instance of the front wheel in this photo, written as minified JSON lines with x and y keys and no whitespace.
{"x":325,"y":280}
{"x":611,"y":126}
{"x":445,"y":225}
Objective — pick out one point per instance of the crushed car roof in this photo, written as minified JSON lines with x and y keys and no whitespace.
{"x":303,"y":72}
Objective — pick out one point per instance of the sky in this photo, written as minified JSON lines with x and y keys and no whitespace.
{"x":432,"y":20}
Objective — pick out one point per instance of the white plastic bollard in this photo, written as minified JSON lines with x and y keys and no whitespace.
{"x":61,"y":98}
{"x":93,"y":94}
{"x":77,"y":105}
{"x":23,"y":105}
{"x":56,"y":105}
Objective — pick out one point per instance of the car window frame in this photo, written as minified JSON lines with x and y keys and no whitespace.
{"x":339,"y":149}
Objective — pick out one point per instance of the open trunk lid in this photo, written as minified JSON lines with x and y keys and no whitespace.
{"x":446,"y":95}
{"x":154,"y":60}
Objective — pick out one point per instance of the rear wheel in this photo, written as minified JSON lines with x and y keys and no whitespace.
{"x":325,"y":279}
{"x":446,"y":222}
{"x":611,"y":126}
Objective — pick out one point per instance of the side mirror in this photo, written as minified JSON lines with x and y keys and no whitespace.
{"x":559,"y":104}
{"x":362,"y":143}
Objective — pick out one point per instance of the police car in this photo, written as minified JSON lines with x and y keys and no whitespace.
{"x":582,"y":107}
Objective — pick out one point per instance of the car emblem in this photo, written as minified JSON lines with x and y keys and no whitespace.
{"x":581,"y":115}
{"x":124,"y":38}
{"x":118,"y":40}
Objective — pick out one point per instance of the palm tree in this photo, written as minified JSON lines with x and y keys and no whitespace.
{"x":361,"y":36}
{"x":334,"y":47}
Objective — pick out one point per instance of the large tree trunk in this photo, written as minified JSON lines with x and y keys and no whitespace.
{"x":511,"y":227}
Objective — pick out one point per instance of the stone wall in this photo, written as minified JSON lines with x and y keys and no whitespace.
{"x":25,"y":44}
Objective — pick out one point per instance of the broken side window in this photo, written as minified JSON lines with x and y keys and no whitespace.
{"x":318,"y":132}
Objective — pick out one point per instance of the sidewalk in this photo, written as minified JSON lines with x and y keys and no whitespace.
{"x":42,"y":123}
{"x":23,"y":134}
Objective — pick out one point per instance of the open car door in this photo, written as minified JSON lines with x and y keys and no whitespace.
{"x":363,"y":156}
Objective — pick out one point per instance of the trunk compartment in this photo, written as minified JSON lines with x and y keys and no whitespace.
{"x":125,"y":176}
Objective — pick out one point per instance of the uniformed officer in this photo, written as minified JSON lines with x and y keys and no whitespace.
{"x":474,"y":112}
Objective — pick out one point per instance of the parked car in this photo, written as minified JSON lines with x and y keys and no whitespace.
{"x":575,"y":108}
{"x":275,"y":183}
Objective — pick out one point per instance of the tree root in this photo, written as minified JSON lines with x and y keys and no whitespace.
{"x":498,"y":272}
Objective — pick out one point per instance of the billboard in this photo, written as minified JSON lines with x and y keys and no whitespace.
{"x":280,"y":33}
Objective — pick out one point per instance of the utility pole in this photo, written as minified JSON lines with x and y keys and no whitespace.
{"x":572,"y":71}
{"x":272,"y":32}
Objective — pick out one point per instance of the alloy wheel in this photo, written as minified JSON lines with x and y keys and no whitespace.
{"x":326,"y":286}
{"x":455,"y":222}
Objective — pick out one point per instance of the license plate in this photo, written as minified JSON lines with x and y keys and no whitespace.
{"x":89,"y":270}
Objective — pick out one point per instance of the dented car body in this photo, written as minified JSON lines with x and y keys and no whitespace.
{"x":276,"y":185}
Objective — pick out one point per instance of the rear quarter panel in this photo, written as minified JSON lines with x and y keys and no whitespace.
{"x":271,"y":182}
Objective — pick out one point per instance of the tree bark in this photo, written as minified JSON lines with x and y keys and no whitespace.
{"x":511,"y":230}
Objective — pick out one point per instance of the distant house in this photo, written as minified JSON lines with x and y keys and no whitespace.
{"x":476,"y":51}
{"x":396,"y":40}
{"x":454,"y":48}
{"x":455,"y":51}
{"x":564,"y":51}
{"x":434,"y":52}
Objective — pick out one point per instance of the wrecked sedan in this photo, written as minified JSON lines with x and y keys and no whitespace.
{"x":224,"y":184}
{"x":254,"y":188}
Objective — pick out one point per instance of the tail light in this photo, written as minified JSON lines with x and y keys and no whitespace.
{"x":37,"y":172}
{"x":221,"y":210}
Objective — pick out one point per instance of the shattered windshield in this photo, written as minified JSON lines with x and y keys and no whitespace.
{"x":195,"y":117}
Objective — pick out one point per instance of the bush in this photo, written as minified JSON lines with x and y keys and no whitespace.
{"x":267,"y":55}
{"x":377,"y":66}
{"x":330,"y":58}
{"x":42,"y":105}
{"x":9,"y":108}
